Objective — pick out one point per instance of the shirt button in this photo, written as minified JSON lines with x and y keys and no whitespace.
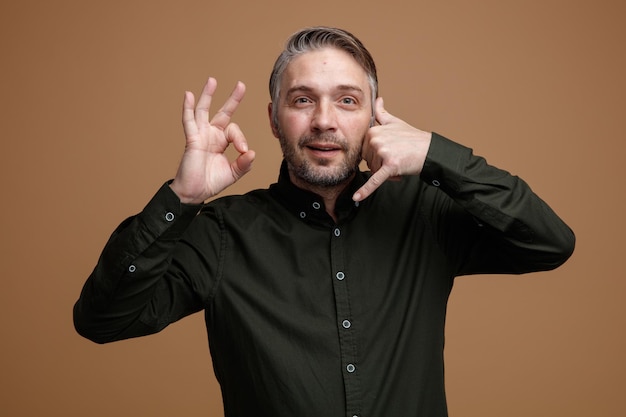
{"x":302,"y":214}
{"x":350,"y":368}
{"x":436,"y":183}
{"x":340,"y":276}
{"x":169,"y":216}
{"x":337,"y":232}
{"x":317,"y":205}
{"x":132,"y":268}
{"x":346,"y":324}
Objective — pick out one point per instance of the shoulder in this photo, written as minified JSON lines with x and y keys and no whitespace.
{"x":241,"y":208}
{"x":255,"y":198}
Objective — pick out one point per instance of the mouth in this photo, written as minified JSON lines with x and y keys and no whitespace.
{"x":322,"y":150}
{"x":323,"y":147}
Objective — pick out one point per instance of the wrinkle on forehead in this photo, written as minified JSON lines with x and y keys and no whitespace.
{"x":325,"y":68}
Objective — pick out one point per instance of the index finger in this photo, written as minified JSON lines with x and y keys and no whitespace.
{"x":223,"y":115}
{"x":372,"y":184}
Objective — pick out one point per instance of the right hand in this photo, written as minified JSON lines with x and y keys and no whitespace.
{"x":205,"y":170}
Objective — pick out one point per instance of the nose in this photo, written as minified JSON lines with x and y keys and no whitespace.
{"x":324,"y":117}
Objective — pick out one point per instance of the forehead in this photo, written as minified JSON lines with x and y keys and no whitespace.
{"x":323,"y":69}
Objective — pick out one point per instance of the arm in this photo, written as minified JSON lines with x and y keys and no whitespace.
{"x":486,"y":217}
{"x":489,"y":220}
{"x":119,"y":299}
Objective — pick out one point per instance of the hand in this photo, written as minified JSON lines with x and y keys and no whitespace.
{"x":205,"y":170}
{"x":391,"y":149}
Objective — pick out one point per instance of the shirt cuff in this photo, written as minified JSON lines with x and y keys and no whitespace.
{"x":444,"y":163}
{"x":165,"y":213}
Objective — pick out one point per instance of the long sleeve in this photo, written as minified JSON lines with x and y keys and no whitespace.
{"x":509,"y":228}
{"x":130,"y":268}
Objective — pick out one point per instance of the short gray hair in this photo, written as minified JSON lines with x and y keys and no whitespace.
{"x":315,"y":38}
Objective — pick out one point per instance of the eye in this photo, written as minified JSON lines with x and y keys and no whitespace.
{"x":348,"y":100}
{"x":301,"y":100}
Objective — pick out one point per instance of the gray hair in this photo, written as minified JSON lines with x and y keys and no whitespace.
{"x":315,"y":38}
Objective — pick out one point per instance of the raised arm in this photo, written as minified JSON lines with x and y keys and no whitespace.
{"x":137,"y":288}
{"x":493,"y":217}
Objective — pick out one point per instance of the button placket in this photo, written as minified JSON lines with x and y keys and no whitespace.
{"x":347,"y":337}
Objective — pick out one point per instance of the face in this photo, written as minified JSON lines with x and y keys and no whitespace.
{"x":323,"y":113}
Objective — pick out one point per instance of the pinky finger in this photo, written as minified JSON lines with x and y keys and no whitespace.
{"x":189,"y":121}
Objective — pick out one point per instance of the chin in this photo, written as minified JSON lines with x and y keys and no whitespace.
{"x":330,"y":177}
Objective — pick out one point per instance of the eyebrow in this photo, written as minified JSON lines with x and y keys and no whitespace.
{"x":307,"y":89}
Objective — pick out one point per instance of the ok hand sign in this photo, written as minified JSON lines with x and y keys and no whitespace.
{"x":205,"y":170}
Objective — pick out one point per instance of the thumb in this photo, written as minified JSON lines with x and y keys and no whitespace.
{"x":383,"y":117}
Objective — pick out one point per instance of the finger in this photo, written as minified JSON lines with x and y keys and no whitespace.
{"x":223,"y":116}
{"x":189,"y":122}
{"x":372,"y":184}
{"x":383,"y":117}
{"x":204,"y":101}
{"x":235,"y":136}
{"x":242,"y":164}
{"x":365,"y":150}
{"x":370,"y":151}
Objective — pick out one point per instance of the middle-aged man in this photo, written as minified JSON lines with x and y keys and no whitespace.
{"x":325,"y":294}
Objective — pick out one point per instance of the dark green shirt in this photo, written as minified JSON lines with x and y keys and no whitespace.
{"x":308,"y":317}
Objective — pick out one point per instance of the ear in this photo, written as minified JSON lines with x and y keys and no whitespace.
{"x":269,"y":114}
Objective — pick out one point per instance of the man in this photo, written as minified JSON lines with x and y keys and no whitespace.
{"x":324,"y":295}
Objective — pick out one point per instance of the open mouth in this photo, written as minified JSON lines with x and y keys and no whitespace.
{"x":324,"y":147}
{"x":324,"y":151}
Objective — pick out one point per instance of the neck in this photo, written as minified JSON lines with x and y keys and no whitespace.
{"x":328,"y":193}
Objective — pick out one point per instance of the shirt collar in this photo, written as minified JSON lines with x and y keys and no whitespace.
{"x":310,"y":206}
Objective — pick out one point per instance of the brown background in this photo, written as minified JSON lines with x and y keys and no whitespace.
{"x":90,"y":96}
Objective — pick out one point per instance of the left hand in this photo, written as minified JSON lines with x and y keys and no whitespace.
{"x":392,"y":148}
